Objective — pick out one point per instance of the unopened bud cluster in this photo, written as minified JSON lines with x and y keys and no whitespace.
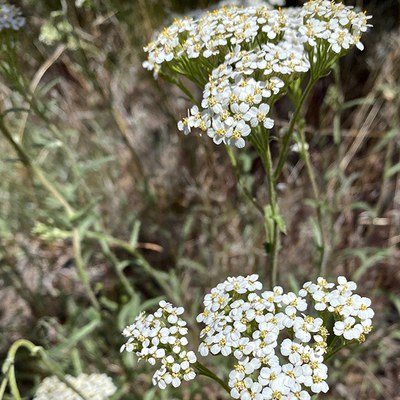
{"x":279,"y":340}
{"x":161,"y":338}
{"x":93,"y":387}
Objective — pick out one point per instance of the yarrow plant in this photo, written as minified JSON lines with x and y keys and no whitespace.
{"x":279,"y":342}
{"x":93,"y":387}
{"x":161,"y":337}
{"x":243,"y":59}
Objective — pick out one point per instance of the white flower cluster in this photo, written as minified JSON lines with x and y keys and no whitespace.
{"x":209,"y":38}
{"x":352,"y":312}
{"x":278,"y":347}
{"x":249,"y":3}
{"x":161,"y":337}
{"x":10,"y":17}
{"x":94,"y":387}
{"x":237,"y":96}
{"x":235,"y":54}
{"x":331,"y":26}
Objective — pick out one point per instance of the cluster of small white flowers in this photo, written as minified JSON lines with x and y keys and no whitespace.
{"x":249,"y":3}
{"x":333,"y":26}
{"x":94,"y":387}
{"x":10,"y":17}
{"x":246,"y":50}
{"x":236,"y":100}
{"x":210,"y":37}
{"x":161,"y":337}
{"x":261,"y":330}
{"x":352,"y":312}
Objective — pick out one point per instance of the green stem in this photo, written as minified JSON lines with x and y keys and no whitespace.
{"x":246,"y":192}
{"x":123,"y":279}
{"x":81,"y":268}
{"x":24,"y":157}
{"x":344,"y":345}
{"x":203,"y":370}
{"x":288,"y":135}
{"x":324,"y":250}
{"x":274,"y":210}
{"x":260,"y":140}
{"x":3,"y":386}
{"x":9,"y":370}
{"x":159,"y":276}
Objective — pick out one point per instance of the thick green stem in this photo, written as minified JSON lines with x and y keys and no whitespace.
{"x":260,"y":140}
{"x":288,"y":135}
{"x":203,"y":370}
{"x":273,"y":201}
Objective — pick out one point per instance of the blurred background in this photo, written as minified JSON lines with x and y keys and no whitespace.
{"x":159,"y":215}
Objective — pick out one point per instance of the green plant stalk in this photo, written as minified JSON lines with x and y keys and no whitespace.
{"x":51,"y":188}
{"x":272,"y":194}
{"x":288,"y":135}
{"x":246,"y":192}
{"x":3,"y":387}
{"x":123,"y":279}
{"x":324,"y":249}
{"x":28,"y":92}
{"x":9,"y":370}
{"x":203,"y":370}
{"x":341,"y":347}
{"x":81,"y":267}
{"x":76,"y":361}
{"x":260,"y":140}
{"x":106,"y":240}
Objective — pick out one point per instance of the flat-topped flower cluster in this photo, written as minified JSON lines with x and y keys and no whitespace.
{"x":161,"y":337}
{"x":93,"y":387}
{"x":236,"y":54}
{"x":280,"y":340}
{"x":10,"y":17}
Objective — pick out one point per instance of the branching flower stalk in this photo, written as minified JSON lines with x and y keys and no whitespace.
{"x":244,"y":60}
